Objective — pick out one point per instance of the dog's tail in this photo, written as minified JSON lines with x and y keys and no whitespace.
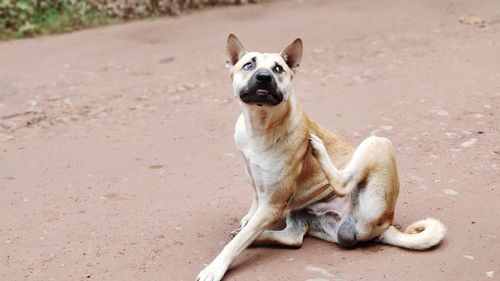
{"x":420,"y":235}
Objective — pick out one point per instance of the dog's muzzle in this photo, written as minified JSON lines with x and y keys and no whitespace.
{"x":261,"y":90}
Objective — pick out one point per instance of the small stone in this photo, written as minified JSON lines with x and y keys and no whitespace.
{"x":490,"y":274}
{"x":468,"y":257}
{"x":469,"y":143}
{"x":448,"y":191}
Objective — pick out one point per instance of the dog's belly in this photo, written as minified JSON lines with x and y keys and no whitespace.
{"x":334,"y":206}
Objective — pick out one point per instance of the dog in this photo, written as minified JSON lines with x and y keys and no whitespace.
{"x":326,"y":187}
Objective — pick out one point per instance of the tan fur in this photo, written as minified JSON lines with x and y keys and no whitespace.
{"x":292,"y":162}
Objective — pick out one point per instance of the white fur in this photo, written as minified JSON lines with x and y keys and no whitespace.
{"x":433,"y":233}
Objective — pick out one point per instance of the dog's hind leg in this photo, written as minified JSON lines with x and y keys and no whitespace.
{"x":291,"y":236}
{"x":338,"y":179}
{"x":344,"y":181}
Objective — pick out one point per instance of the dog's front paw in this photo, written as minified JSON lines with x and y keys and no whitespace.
{"x":318,"y":147}
{"x":213,"y":272}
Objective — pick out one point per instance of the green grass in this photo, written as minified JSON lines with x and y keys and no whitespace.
{"x":26,"y":18}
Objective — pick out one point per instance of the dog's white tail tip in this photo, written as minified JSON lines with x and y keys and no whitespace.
{"x":420,"y":235}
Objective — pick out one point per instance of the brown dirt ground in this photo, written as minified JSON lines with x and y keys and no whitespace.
{"x":117,"y":160}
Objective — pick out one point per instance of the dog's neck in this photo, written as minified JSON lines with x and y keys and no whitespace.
{"x":271,"y":122}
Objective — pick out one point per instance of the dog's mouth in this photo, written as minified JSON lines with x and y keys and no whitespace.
{"x":261,"y":97}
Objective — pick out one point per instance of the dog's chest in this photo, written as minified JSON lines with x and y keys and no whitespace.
{"x":264,"y":165}
{"x":265,"y":168}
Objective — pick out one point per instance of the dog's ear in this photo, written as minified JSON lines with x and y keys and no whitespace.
{"x":234,"y":49}
{"x":293,"y":54}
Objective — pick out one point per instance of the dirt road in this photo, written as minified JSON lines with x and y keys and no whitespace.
{"x":117,"y":160}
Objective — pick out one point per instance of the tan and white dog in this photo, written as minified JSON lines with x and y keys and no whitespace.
{"x":327,"y":188}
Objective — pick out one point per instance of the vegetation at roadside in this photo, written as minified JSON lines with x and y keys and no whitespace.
{"x":25,"y":18}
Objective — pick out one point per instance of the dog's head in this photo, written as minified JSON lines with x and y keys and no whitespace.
{"x":262,"y":79}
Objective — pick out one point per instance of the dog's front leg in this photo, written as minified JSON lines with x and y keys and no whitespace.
{"x":244,"y":221}
{"x":266,"y":214}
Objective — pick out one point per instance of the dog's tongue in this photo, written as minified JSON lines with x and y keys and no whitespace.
{"x":261,"y":92}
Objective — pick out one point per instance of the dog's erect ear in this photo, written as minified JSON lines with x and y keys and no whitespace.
{"x":293,"y":54}
{"x":234,"y":49}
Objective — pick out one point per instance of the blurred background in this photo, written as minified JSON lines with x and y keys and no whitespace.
{"x":21,"y":18}
{"x":117,"y":159}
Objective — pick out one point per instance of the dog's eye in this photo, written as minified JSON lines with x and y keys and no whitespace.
{"x":248,"y":66}
{"x":278,"y":69}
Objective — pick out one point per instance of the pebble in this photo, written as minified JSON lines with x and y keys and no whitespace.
{"x":490,"y":274}
{"x":468,"y":257}
{"x":469,"y":143}
{"x":448,"y":191}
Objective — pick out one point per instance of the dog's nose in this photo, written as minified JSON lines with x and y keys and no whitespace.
{"x":263,"y":76}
